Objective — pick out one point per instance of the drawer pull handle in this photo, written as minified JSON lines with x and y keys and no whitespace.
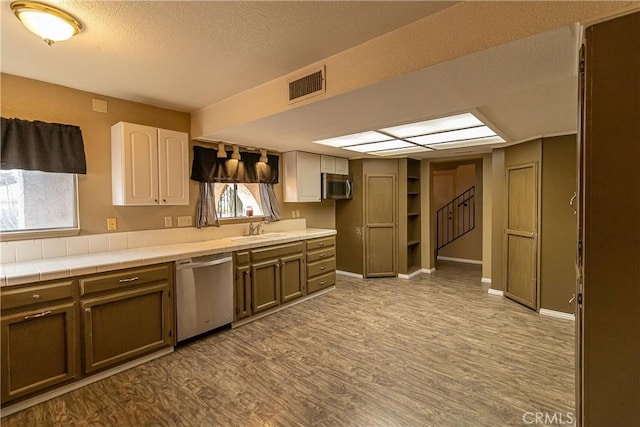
{"x":131,"y":279}
{"x":36,"y":296}
{"x":323,"y":267}
{"x":323,"y":282}
{"x":322,"y":243}
{"x":321,"y":255}
{"x":35,"y":316}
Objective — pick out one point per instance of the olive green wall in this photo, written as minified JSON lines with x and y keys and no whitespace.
{"x":558,"y":234}
{"x":349,"y":223}
{"x":36,"y":100}
{"x":556,"y":159}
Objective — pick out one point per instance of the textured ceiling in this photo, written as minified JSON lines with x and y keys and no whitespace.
{"x":526,"y":89}
{"x":187,"y":55}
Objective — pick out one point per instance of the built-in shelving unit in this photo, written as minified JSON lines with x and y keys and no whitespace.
{"x":410,"y":214}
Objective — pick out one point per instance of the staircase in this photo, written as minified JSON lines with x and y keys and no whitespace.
{"x":456,"y":218}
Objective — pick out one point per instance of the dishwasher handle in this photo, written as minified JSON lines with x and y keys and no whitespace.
{"x":188,"y":264}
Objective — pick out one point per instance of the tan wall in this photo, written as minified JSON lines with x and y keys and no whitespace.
{"x":36,"y":100}
{"x":426,"y":42}
{"x":487,"y":215}
{"x":558,"y":234}
{"x":467,"y":173}
{"x":497,"y":218}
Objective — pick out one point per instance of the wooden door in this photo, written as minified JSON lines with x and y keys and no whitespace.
{"x":521,"y":250}
{"x":118,"y":327}
{"x":173,"y":166}
{"x":38,"y":349}
{"x":292,"y":277}
{"x":265,"y":278}
{"x":380,"y":226}
{"x":243,"y":292}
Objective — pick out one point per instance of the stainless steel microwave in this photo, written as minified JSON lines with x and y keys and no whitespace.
{"x":336,"y":186}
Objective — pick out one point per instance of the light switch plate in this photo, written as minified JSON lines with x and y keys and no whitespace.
{"x":168,"y":221}
{"x":112,"y":224}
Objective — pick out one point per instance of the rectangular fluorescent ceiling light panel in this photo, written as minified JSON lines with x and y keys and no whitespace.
{"x":461,"y":130}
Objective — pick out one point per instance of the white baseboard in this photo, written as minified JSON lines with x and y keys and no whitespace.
{"x":81,"y":383}
{"x":485,"y":280}
{"x":467,"y":261}
{"x":410,"y":275}
{"x":428,"y":270}
{"x":557,"y":314}
{"x":495,"y":292}
{"x":349,"y":274}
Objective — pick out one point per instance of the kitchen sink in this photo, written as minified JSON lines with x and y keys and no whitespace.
{"x":246,"y":238}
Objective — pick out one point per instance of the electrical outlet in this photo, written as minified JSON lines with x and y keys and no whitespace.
{"x":112,"y":224}
{"x":168,"y":221}
{"x":184,"y":221}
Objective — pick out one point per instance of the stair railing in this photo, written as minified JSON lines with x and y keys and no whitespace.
{"x":456,"y":218}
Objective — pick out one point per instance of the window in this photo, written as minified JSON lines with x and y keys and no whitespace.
{"x":238,"y":200}
{"x":37,"y":201}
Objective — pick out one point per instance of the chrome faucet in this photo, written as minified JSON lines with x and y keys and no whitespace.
{"x":255,"y":230}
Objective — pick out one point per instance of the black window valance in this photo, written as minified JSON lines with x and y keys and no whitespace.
{"x":207,"y":167}
{"x":47,"y":147}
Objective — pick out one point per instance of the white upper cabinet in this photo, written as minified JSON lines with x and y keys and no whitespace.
{"x":149,"y":166}
{"x":337,"y":165}
{"x":301,"y":176}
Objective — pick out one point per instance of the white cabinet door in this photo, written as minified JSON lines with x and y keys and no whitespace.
{"x":149,"y":166}
{"x":342,"y":166}
{"x":301,"y":177}
{"x":327,"y":164}
{"x":173,"y":167}
{"x":134,"y":159}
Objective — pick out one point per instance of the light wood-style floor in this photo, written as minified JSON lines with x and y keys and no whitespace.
{"x":436,"y":350}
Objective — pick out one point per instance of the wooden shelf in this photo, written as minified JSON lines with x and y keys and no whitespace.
{"x":413,"y":177}
{"x":413,"y":214}
{"x":413,"y":242}
{"x":413,"y":268}
{"x":413,"y":193}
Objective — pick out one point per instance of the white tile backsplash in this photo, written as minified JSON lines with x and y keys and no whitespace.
{"x":28,"y":250}
{"x":117,"y":242}
{"x":98,"y":243}
{"x":135,"y":239}
{"x":7,"y":252}
{"x":78,"y":245}
{"x":54,"y":248}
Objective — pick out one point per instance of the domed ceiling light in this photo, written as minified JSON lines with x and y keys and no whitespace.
{"x":47,"y":22}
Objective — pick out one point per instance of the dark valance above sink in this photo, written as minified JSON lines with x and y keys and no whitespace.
{"x":207,"y":167}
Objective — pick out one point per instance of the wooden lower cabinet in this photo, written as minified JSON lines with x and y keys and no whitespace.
{"x":268,"y":277}
{"x":38,"y":349}
{"x":292,"y":277}
{"x":321,"y":264}
{"x":266,"y":285}
{"x":121,"y":326}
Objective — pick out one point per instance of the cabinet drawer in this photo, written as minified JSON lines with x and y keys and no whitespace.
{"x":321,"y":267}
{"x":36,"y":294}
{"x":321,"y":282}
{"x":321,"y":243}
{"x":241,"y":258}
{"x":123,"y":279}
{"x":321,"y":255}
{"x":272,"y":252}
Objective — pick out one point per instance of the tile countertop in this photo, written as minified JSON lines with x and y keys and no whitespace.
{"x":18,"y":273}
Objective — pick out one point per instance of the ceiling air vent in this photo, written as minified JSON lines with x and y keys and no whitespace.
{"x":311,"y":83}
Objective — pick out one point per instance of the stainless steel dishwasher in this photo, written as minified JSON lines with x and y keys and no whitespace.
{"x":204,"y":300}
